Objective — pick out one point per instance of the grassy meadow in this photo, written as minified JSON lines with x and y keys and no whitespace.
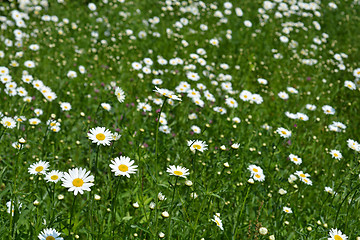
{"x":166,"y":119}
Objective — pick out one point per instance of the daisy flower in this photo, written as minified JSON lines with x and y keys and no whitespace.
{"x":245,"y":95}
{"x":295,"y":159}
{"x":49,"y":234}
{"x":197,"y":145}
{"x":218,"y":221}
{"x":100,"y":135}
{"x":287,"y":210}
{"x":116,"y":136}
{"x":328,"y":110}
{"x":123,"y":166}
{"x":283,"y":95}
{"x":336,"y":154}
{"x":283,"y":132}
{"x":38,"y":168}
{"x":337,"y":235}
{"x":306,"y":181}
{"x":144,"y":107}
{"x":350,"y":85}
{"x":177,"y":171}
{"x":11,"y":207}
{"x":259,"y":177}
{"x":330,"y":190}
{"x":120,"y":94}
{"x":77,"y":180}
{"x":255,"y":170}
{"x":8,"y":122}
{"x":65,"y":106}
{"x":195,"y":129}
{"x":53,"y":176}
{"x":301,"y":174}
{"x":106,"y":106}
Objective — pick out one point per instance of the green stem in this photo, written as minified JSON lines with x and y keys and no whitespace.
{"x":172,"y":208}
{"x":113,"y":207}
{"x":242,"y":209}
{"x":72,"y":214}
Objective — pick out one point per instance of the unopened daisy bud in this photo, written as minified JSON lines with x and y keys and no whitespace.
{"x":251,"y":181}
{"x":318,"y":222}
{"x":188,"y":183}
{"x":22,"y":140}
{"x":235,"y":145}
{"x":309,"y":228}
{"x":97,"y":197}
{"x":82,"y":114}
{"x":61,"y":197}
{"x":53,"y":115}
{"x":272,"y":237}
{"x":161,"y":235}
{"x":286,"y":223}
{"x":36,"y":203}
{"x":161,"y":197}
{"x":357,"y":238}
{"x":325,"y":226}
{"x":152,"y":205}
{"x":282,"y":191}
{"x":77,"y":236}
{"x":136,"y":205}
{"x":165,"y":214}
{"x":263,"y":231}
{"x":193,"y":195}
{"x":223,"y":147}
{"x":226,"y":164}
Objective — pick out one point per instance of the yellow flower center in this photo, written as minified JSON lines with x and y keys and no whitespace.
{"x":295,"y":159}
{"x":8,"y":123}
{"x":257,"y":176}
{"x":33,"y":122}
{"x":54,"y":177}
{"x":337,"y":237}
{"x":255,"y":170}
{"x":178,"y":173}
{"x":336,"y":155}
{"x":302,"y":175}
{"x":197,"y":146}
{"x":50,"y":238}
{"x":78,"y":182}
{"x":100,"y":136}
{"x":123,"y":168}
{"x":217,"y":222}
{"x":39,"y":168}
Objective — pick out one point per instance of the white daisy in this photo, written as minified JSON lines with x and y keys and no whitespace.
{"x":100,"y":135}
{"x":123,"y":166}
{"x":78,"y":180}
{"x":295,"y":159}
{"x":218,"y":221}
{"x":50,"y":234}
{"x":38,"y":168}
{"x":177,"y":171}
{"x":197,"y":145}
{"x":53,"y":176}
{"x":337,"y":235}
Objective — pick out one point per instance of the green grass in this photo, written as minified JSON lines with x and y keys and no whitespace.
{"x":219,"y":177}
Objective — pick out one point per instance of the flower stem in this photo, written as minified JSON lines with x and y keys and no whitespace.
{"x":238,"y":218}
{"x":172,"y":208}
